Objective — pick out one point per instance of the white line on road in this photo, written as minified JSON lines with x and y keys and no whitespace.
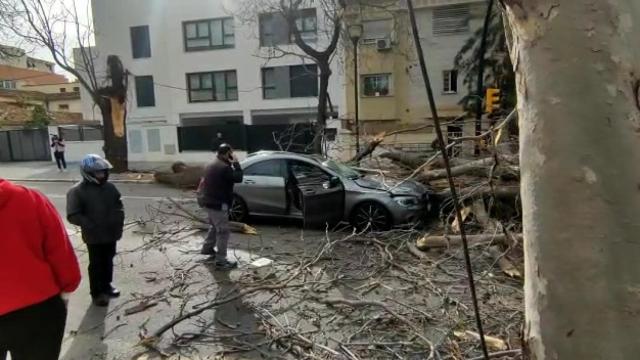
{"x":127,"y":197}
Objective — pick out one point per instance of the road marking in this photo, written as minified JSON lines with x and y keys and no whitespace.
{"x":129,"y":197}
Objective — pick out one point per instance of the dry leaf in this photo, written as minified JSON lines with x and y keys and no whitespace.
{"x":455,"y":227}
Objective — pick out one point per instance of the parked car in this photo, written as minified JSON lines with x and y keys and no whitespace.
{"x":321,"y":191}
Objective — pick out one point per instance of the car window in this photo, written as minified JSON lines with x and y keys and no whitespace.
{"x":265,"y":168}
{"x":306,"y":173}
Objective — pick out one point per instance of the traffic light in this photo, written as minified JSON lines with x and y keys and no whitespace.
{"x":492,"y":100}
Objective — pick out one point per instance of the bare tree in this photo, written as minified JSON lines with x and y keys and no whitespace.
{"x":322,"y":54}
{"x":55,"y":25}
{"x":578,"y":83}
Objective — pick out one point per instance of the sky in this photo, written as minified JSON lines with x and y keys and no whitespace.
{"x":84,"y":14}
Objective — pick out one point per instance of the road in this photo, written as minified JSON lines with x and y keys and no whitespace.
{"x":144,"y":268}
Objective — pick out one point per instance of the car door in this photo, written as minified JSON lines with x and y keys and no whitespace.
{"x":322,"y":194}
{"x":262,"y":187}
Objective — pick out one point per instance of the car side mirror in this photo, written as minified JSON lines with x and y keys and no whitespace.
{"x":333,"y":182}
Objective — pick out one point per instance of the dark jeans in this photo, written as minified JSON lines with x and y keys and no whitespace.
{"x":101,"y":267}
{"x":35,"y":332}
{"x":59,"y":156}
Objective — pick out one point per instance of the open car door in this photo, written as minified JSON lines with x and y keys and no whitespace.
{"x":322,"y":195}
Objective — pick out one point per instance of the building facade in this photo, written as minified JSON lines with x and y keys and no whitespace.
{"x":200,"y":67}
{"x":391,"y":89}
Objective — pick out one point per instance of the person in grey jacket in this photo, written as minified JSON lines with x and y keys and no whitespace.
{"x":95,"y":205}
{"x":215,"y":195}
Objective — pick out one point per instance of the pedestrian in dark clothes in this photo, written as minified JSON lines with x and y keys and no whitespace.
{"x":38,"y":269}
{"x":94,"y":204}
{"x":58,"y":145}
{"x":215,"y":195}
{"x":216,"y":142}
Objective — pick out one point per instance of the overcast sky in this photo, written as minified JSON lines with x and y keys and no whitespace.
{"x":84,"y":14}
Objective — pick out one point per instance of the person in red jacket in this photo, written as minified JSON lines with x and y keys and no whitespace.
{"x":38,"y":268}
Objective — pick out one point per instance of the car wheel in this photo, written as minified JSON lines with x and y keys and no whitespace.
{"x":372,"y":217}
{"x":239,"y":211}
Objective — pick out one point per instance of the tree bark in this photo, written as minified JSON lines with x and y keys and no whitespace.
{"x":481,"y":167}
{"x":578,"y":78}
{"x":436,"y":241}
{"x":115,"y":147}
{"x":321,"y":116}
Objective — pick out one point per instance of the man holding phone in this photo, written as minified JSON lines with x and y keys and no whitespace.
{"x":215,"y":194}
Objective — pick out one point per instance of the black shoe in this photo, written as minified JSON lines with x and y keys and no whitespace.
{"x":101,"y":300}
{"x":207,"y":251}
{"x":114,"y":293}
{"x":226,"y":265}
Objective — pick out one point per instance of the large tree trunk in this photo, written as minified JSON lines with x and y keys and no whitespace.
{"x":321,"y":117}
{"x":578,"y":76}
{"x":115,"y":141}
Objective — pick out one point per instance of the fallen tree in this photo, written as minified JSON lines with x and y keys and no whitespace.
{"x":481,"y":167}
{"x":445,"y":241}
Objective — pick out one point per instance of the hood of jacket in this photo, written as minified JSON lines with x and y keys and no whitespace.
{"x":7,"y":189}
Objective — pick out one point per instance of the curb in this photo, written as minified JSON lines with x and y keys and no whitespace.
{"x":115,"y":181}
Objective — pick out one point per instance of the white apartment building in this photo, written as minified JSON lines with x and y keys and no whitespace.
{"x":197,"y":69}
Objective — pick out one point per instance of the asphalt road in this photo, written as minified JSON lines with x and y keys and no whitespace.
{"x":136,"y":197}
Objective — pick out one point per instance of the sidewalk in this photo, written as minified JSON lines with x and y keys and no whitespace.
{"x":44,"y":171}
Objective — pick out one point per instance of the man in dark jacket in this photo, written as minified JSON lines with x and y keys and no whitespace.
{"x":215,"y":194}
{"x":94,"y":204}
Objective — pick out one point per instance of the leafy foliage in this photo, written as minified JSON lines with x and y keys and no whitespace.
{"x":39,"y":117}
{"x":498,"y":70}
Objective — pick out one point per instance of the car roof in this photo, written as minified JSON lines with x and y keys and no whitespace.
{"x":261,"y":155}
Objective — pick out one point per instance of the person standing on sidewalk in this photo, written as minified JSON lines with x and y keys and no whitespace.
{"x":57,"y":143}
{"x":95,"y":205}
{"x":38,"y":269}
{"x":215,"y":194}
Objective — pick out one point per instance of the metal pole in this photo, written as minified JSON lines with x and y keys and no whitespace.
{"x":356,"y":95}
{"x":480,"y":81}
{"x":447,"y":165}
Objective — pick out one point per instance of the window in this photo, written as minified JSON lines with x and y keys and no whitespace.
{"x":307,"y":24}
{"x":76,"y":89}
{"x":145,"y":94}
{"x":153,"y":140}
{"x":212,"y":86}
{"x":308,"y":174}
{"x":135,"y":141}
{"x":208,"y":34}
{"x":274,"y":29}
{"x":63,"y":90}
{"x":273,"y":168}
{"x":63,"y":107}
{"x":7,"y":84}
{"x":140,"y":42}
{"x":376,"y":29}
{"x":450,"y":78}
{"x":376,"y":85}
{"x":290,"y":81}
{"x":452,"y":19}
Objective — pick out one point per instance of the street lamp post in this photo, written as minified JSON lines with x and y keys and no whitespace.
{"x":355,"y":31}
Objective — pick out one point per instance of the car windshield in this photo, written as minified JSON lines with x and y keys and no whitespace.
{"x":342,"y":169}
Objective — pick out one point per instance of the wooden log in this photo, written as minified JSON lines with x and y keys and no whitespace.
{"x":442,"y":241}
{"x":499,"y":191}
{"x":409,"y":160}
{"x":482,"y":167}
{"x":184,"y":176}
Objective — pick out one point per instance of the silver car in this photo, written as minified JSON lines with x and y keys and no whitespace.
{"x":322,"y":191}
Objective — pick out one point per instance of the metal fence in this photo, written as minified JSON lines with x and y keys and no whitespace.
{"x":24,"y":145}
{"x":251,"y":138}
{"x":81,"y":133}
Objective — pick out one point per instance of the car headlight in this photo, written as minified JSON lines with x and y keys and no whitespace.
{"x":407,"y":201}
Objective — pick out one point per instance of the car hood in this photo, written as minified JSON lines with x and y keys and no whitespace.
{"x":409,"y":187}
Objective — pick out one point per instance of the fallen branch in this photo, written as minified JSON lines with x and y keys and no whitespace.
{"x":499,"y":191}
{"x":204,"y":224}
{"x":444,"y":241}
{"x":481,"y":167}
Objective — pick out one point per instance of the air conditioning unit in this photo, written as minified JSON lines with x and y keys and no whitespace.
{"x":383,"y":44}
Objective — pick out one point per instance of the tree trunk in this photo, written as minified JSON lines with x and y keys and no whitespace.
{"x":578,"y":77}
{"x":321,"y":117}
{"x":115,"y":146}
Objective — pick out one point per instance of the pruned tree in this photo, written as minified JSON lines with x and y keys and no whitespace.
{"x":56,"y":26}
{"x":321,"y":52}
{"x":578,"y":83}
